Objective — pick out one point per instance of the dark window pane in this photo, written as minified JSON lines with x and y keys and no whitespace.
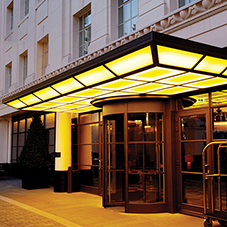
{"x":15,"y":140}
{"x":181,"y":3}
{"x":120,"y":31}
{"x":21,"y":139}
{"x":120,"y":15}
{"x":51,"y":136}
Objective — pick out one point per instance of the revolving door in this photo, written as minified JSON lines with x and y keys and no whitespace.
{"x":134,"y":157}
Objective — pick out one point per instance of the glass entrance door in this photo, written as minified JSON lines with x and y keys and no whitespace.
{"x":114,"y":158}
{"x":193,"y":138}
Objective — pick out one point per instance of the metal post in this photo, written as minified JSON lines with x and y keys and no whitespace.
{"x":69,"y":185}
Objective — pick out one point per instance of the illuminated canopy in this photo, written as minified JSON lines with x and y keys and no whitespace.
{"x":154,"y":64}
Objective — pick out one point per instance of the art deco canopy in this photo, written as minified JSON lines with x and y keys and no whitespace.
{"x":154,"y":64}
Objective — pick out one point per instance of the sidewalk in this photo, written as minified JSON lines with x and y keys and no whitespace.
{"x":43,"y":207}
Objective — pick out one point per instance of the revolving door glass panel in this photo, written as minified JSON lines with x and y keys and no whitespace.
{"x":115,"y":161}
{"x":146,"y":175}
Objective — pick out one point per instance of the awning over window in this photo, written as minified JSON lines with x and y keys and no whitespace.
{"x":154,"y":64}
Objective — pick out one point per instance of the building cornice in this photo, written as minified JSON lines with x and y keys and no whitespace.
{"x":172,"y":22}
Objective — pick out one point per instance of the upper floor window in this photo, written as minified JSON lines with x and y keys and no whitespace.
{"x":84,"y":33}
{"x":184,"y":2}
{"x":9,"y":19}
{"x":8,"y":79}
{"x":26,"y":7}
{"x":44,"y":56}
{"x":25,"y":67}
{"x":127,"y":16}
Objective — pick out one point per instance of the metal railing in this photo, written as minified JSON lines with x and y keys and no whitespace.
{"x":207,"y":175}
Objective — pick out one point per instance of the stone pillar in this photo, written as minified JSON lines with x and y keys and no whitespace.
{"x":62,"y":150}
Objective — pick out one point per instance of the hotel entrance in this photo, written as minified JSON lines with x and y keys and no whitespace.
{"x":134,"y":156}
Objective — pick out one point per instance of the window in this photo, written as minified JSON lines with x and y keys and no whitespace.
{"x":21,"y":125}
{"x":184,"y":2}
{"x":25,"y":67}
{"x":84,"y":33}
{"x":9,"y":19}
{"x":26,"y":7}
{"x":44,"y":56}
{"x":8,"y":76}
{"x":127,"y":16}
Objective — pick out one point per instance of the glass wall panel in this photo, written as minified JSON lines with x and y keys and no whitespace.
{"x":22,"y":125}
{"x":15,"y":125}
{"x":50,"y":120}
{"x":220,"y":123}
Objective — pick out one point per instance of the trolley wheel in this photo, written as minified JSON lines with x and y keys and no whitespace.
{"x":223,"y":223}
{"x":208,"y":222}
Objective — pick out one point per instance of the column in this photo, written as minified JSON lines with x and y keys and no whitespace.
{"x":62,"y":151}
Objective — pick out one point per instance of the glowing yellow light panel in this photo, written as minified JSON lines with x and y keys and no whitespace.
{"x":155,"y":74}
{"x":46,"y":93}
{"x":95,"y":76}
{"x":66,"y":99}
{"x":184,"y":78}
{"x":70,"y":106}
{"x":147,"y":88}
{"x":89,"y":93}
{"x":225,"y":73}
{"x":67,"y":86}
{"x":35,"y":108}
{"x":212,"y":65}
{"x":120,"y":84}
{"x":173,"y":90}
{"x":30,"y":99}
{"x":209,"y":83}
{"x":175,"y":57}
{"x":130,"y":62}
{"x":16,"y":104}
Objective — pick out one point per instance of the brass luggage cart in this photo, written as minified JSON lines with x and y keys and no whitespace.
{"x":210,"y":213}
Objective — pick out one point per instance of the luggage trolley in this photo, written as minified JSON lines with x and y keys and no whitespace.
{"x":213,"y":215}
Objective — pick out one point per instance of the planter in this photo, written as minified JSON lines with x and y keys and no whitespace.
{"x":35,"y":178}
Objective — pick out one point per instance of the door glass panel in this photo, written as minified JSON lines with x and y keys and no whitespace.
{"x":193,"y":127}
{"x":191,"y":153}
{"x":115,"y":186}
{"x":115,"y":160}
{"x":193,"y":189}
{"x":145,"y":158}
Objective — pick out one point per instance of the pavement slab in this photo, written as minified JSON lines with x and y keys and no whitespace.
{"x":43,"y":207}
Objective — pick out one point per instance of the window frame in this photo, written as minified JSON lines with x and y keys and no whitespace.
{"x":83,"y":28}
{"x":120,"y":9}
